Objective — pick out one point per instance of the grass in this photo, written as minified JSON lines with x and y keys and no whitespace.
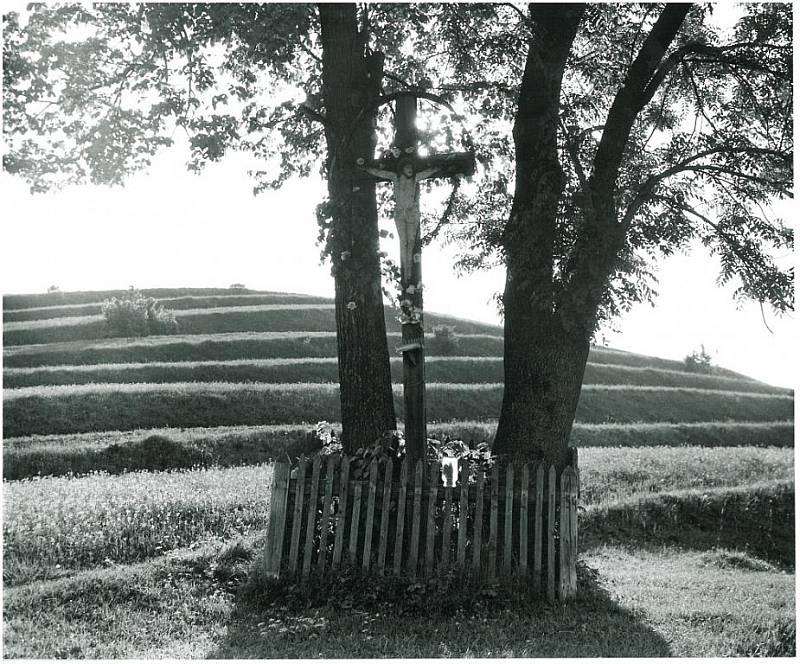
{"x":325,"y":369}
{"x":256,"y":318}
{"x":119,"y":451}
{"x":206,"y":347}
{"x":55,"y":526}
{"x":633,"y":603}
{"x":121,"y":406}
{"x":174,"y":303}
{"x":78,"y":523}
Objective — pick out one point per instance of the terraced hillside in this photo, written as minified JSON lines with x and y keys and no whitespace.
{"x":260,"y":360}
{"x":136,"y":475}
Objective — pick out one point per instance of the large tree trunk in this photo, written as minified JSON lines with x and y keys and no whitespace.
{"x":549,"y":323}
{"x":351,"y":81}
{"x":543,"y":367}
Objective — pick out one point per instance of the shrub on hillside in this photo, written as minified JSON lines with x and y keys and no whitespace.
{"x":134,"y":315}
{"x":237,"y":287}
{"x":699,"y":361}
{"x":443,"y":342}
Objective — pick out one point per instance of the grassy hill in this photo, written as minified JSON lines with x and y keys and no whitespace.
{"x":250,"y":359}
{"x":137,"y":482}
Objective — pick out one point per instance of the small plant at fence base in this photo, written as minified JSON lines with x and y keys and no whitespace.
{"x":134,"y":315}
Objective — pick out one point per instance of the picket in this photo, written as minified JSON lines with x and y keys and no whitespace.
{"x":523,"y":520}
{"x":463,"y":503}
{"x":370,"y":522}
{"x":415,"y":522}
{"x":494,"y":492}
{"x":277,"y":520}
{"x":509,"y":519}
{"x":297,"y":518}
{"x":538,"y":529}
{"x":477,"y":532}
{"x":385,"y":509}
{"x":401,"y":518}
{"x":447,"y":521}
{"x":430,"y":531}
{"x":312,"y":518}
{"x":551,"y":532}
{"x":355,"y":522}
{"x":531,"y":533}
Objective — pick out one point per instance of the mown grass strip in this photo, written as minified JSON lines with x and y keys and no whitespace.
{"x":257,"y":318}
{"x":119,"y":406}
{"x":165,"y":448}
{"x":30,"y":300}
{"x":314,"y":369}
{"x":175,"y":303}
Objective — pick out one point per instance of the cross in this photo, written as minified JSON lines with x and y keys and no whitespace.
{"x":404,"y":168}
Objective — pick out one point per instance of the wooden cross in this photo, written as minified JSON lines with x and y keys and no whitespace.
{"x":402,"y":166}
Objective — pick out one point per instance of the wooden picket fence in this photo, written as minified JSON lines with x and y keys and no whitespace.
{"x":515,"y":522}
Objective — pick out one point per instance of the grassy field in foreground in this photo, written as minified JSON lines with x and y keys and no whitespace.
{"x":57,"y":525}
{"x":634,"y":603}
{"x":166,"y":448}
{"x":121,"y":406}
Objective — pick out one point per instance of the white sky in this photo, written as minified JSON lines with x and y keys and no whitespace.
{"x":169,"y":228}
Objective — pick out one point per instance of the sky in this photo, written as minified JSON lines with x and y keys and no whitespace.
{"x":169,"y":228}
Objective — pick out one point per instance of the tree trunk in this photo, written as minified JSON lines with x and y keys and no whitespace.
{"x":351,"y":81}
{"x":543,"y":362}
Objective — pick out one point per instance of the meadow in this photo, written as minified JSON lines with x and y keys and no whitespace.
{"x":137,"y":474}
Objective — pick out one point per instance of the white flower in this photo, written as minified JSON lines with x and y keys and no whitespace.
{"x":351,"y":305}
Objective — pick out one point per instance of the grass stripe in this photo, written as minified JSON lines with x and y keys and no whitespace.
{"x":176,"y":303}
{"x":263,"y":318}
{"x":312,"y":369}
{"x":66,"y":409}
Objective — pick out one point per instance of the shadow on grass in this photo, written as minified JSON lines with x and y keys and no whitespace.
{"x":757,"y":519}
{"x":355,"y":617}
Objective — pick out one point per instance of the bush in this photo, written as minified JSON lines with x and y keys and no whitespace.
{"x":237,"y":287}
{"x":53,"y":289}
{"x":444,"y":341}
{"x":699,"y":361}
{"x":134,"y":315}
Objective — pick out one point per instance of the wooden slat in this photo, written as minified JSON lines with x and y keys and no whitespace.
{"x":413,"y":553}
{"x":430,"y":527}
{"x":297,"y":518}
{"x":312,"y":517}
{"x":550,"y":534}
{"x":525,"y":480}
{"x":368,"y":526}
{"x":573,"y":523}
{"x":477,"y":535}
{"x":509,"y":521}
{"x":463,"y":504}
{"x":538,"y":529}
{"x":565,"y":536}
{"x":277,"y":519}
{"x":327,"y":511}
{"x":495,"y":491}
{"x":355,"y":522}
{"x":447,"y":517}
{"x":385,"y":511}
{"x":341,"y":513}
{"x":401,"y":518}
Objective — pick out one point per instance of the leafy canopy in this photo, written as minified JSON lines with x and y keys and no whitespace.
{"x":92,"y":94}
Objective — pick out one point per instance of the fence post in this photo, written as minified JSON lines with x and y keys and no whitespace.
{"x":551,"y":533}
{"x":277,"y":519}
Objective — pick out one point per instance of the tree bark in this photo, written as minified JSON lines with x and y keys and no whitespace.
{"x":543,"y":366}
{"x":351,"y":82}
{"x":549,"y":325}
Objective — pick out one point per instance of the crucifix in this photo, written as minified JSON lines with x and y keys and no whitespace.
{"x":405,"y":169}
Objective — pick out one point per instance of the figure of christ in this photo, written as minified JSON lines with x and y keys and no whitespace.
{"x":406,"y":208}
